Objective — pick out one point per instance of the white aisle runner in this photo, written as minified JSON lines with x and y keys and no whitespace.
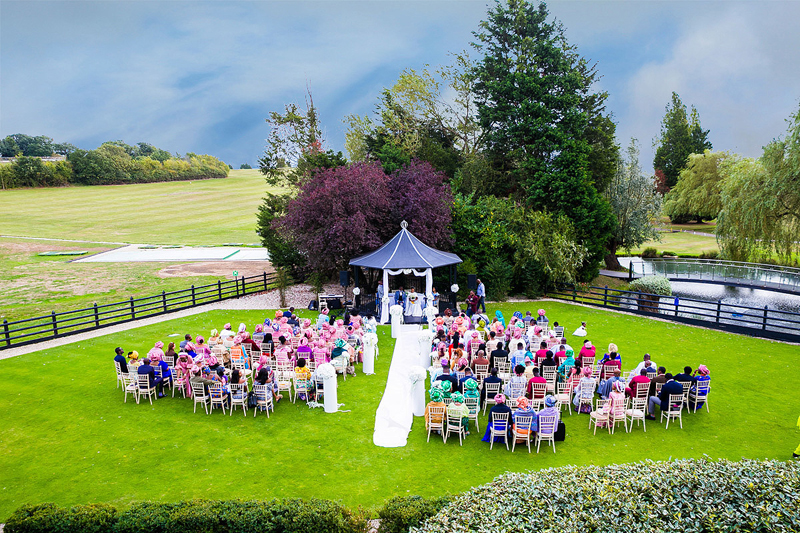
{"x":395,"y":413}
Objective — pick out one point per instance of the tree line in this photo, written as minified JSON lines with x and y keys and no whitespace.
{"x":506,"y":156}
{"x":112,"y":163}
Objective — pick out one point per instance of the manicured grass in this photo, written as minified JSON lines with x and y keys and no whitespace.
{"x":682,"y":244}
{"x":213,"y":211}
{"x":68,"y":438}
{"x":33,"y":285}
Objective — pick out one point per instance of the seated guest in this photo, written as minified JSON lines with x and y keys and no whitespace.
{"x":524,"y":409}
{"x":227,"y":332}
{"x":288,"y":313}
{"x":120,"y":358}
{"x":660,"y":378}
{"x":246,"y":340}
{"x":670,"y":387}
{"x":268,"y":345}
{"x":701,"y":375}
{"x":491,"y":344}
{"x":457,"y":409}
{"x":267,"y":377}
{"x":610,"y":359}
{"x":535,"y":379}
{"x":518,"y":357}
{"x":480,"y":357}
{"x":646,"y":363}
{"x":166,"y":373}
{"x":527,"y":319}
{"x":529,"y":367}
{"x":156,"y":353}
{"x":541,"y":353}
{"x":200,"y":377}
{"x":171,"y":351}
{"x":585,"y":388}
{"x":517,"y":382}
{"x":436,"y":401}
{"x":446,"y":376}
{"x":561,"y":352}
{"x":468,"y":376}
{"x":606,"y":385}
{"x":186,"y":340}
{"x":586,"y":351}
{"x":304,"y":350}
{"x":491,"y":378}
{"x":581,"y":331}
{"x":471,"y":389}
{"x":201,"y":347}
{"x":146,"y":369}
{"x":686,"y":376}
{"x":550,"y":408}
{"x":213,"y":338}
{"x":637,"y":382}
{"x":499,"y":407}
{"x":498,"y":353}
{"x":549,"y":363}
{"x":133,"y":360}
{"x":567,"y":365}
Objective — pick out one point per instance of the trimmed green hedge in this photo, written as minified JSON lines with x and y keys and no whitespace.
{"x":194,"y":516}
{"x":690,"y":496}
{"x":403,"y":512}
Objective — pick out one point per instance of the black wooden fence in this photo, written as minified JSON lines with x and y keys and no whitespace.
{"x":763,"y":322}
{"x":55,"y":325}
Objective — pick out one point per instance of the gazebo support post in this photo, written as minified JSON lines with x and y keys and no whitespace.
{"x":357,"y":298}
{"x":453,"y":280}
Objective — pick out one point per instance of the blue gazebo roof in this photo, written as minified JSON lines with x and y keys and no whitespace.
{"x":405,"y":251}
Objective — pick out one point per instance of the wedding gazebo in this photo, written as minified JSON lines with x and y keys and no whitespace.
{"x":405,"y":254}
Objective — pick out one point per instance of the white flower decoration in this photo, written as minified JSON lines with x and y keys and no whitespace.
{"x":454,"y":287}
{"x":356,"y":291}
{"x":326,"y":371}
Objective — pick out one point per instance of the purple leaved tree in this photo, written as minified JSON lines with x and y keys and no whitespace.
{"x":338,"y":214}
{"x":421,"y":196}
{"x":344,"y":212}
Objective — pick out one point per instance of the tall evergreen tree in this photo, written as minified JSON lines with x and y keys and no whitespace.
{"x":681,"y":135}
{"x":532,"y":92}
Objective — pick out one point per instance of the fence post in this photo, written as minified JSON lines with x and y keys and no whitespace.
{"x":719,"y":306}
{"x":193,"y":301}
{"x":236,"y":280}
{"x":265,"y":281}
{"x":243,"y":286}
{"x":574,"y":293}
{"x":605,"y":296}
{"x":55,"y":323}
{"x":133,"y":309}
{"x":219,"y":290}
{"x":164,"y":300}
{"x":764,"y":320}
{"x":96,"y":317}
{"x":630,"y":271}
{"x":5,"y":332}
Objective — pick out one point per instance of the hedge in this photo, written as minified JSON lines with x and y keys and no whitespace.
{"x":194,"y":516}
{"x":690,"y":496}
{"x":403,"y":512}
{"x":652,"y":285}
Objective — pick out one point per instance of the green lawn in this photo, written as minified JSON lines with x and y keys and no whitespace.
{"x":68,"y":438}
{"x":33,"y":285}
{"x":682,"y":244}
{"x":213,"y":211}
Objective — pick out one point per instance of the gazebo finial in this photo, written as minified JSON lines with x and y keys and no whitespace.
{"x":404,"y":225}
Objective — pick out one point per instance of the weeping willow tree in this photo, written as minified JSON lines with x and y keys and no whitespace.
{"x":760,"y":214}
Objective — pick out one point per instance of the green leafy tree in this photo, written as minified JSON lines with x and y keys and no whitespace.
{"x":696,"y":196}
{"x":531,"y":90}
{"x":681,"y":135}
{"x":760,"y":213}
{"x":245,"y":166}
{"x":64,"y":148}
{"x":9,"y":147}
{"x":635,"y":203}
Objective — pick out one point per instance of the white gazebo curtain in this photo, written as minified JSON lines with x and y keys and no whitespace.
{"x":387,"y":298}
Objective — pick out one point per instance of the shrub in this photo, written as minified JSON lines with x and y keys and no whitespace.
{"x":666,"y":253}
{"x":497,"y":277}
{"x":652,"y":285}
{"x":403,"y":512}
{"x":709,"y":254}
{"x":691,"y":495}
{"x":649,"y":252}
{"x":93,"y":518}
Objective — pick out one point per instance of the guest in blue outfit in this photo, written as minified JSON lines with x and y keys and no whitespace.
{"x":499,"y":407}
{"x":120,"y":358}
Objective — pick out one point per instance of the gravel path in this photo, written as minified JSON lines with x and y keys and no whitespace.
{"x":296,"y":296}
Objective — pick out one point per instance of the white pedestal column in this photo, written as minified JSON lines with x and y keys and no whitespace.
{"x":417,"y":376}
{"x":330,"y":398}
{"x":370,"y":343}
{"x":396,"y":311}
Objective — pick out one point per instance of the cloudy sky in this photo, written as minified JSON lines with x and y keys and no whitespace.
{"x":202,"y":76}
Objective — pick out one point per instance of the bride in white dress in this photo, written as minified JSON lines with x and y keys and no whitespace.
{"x":414,"y":305}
